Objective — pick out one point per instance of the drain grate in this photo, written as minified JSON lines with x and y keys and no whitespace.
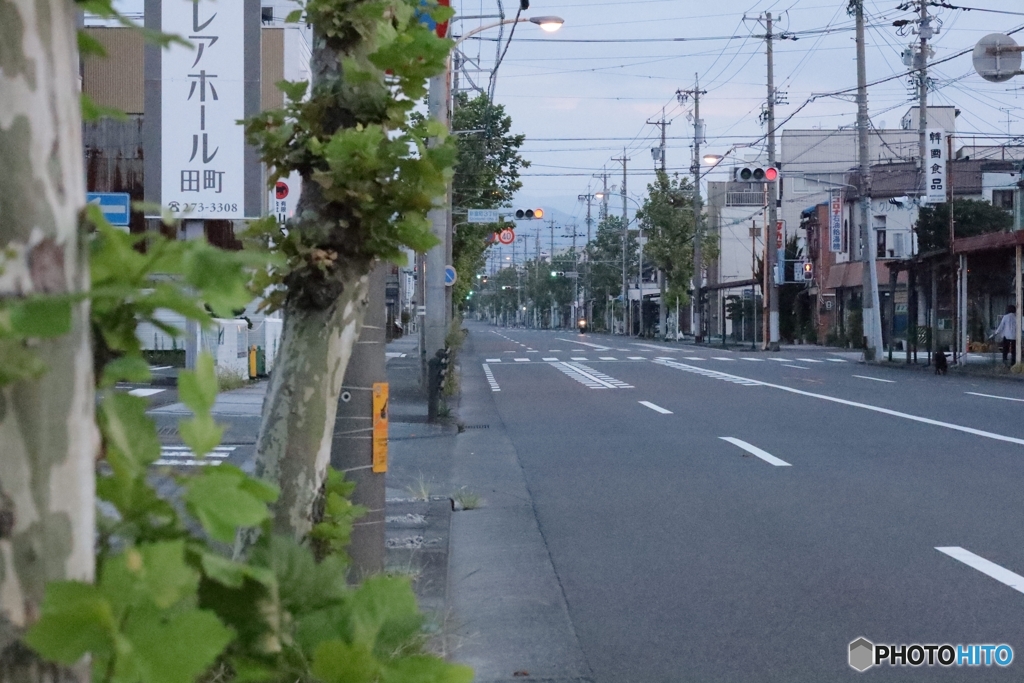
{"x":478,"y":427}
{"x":167,"y":431}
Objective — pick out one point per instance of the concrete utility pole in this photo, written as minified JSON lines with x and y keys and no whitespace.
{"x":869,"y":283}
{"x":698,"y":262}
{"x":586,"y":285}
{"x":602,"y":211}
{"x":626,"y":327}
{"x":434,"y":328}
{"x":773,"y":291}
{"x":660,"y":156}
{"x":352,"y":443}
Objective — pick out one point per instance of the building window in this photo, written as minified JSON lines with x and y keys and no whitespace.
{"x":880,"y":237}
{"x":1003,"y":199}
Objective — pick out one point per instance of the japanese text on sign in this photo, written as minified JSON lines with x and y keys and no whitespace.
{"x":202,"y":145}
{"x":835,"y":222}
{"x":935,"y":166}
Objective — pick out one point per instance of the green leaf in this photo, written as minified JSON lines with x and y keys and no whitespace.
{"x":175,"y":648}
{"x":91,"y":111}
{"x":335,"y":661}
{"x":128,"y":430}
{"x":41,"y":316}
{"x":425,"y":669}
{"x":384,"y":613}
{"x":125,"y":369}
{"x":90,"y":45}
{"x":294,"y":16}
{"x":233,"y":574}
{"x":197,"y":388}
{"x":218,"y":501}
{"x":200,"y":433}
{"x":17,"y":362}
{"x":75,"y":619}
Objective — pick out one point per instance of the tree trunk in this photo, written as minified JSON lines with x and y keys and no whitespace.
{"x":294,"y":445}
{"x":47,"y":425}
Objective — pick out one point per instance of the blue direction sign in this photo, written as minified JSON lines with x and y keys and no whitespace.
{"x":116,"y":206}
{"x":450,"y":276}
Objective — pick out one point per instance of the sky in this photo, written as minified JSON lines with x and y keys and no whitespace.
{"x":581,"y":103}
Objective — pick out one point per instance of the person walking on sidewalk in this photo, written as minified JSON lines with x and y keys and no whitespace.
{"x":1007,"y":330}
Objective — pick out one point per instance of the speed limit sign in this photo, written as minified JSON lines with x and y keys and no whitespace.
{"x":507,"y":236}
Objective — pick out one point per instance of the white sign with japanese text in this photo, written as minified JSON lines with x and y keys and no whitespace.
{"x":935,"y":166}
{"x":202,"y":145}
{"x":835,"y":222}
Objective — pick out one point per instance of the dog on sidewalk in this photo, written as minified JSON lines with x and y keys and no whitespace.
{"x":941,"y":365}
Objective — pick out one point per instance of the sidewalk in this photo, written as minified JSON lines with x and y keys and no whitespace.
{"x":504,"y":611}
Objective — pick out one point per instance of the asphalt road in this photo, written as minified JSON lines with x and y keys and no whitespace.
{"x":684,"y":556}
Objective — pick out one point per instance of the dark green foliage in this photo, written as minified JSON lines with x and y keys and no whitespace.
{"x":486,"y":177}
{"x":971,"y":216}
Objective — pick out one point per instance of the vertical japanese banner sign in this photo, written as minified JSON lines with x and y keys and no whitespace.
{"x":935,"y":167}
{"x":203,"y":96}
{"x":835,"y":222}
{"x":380,"y":427}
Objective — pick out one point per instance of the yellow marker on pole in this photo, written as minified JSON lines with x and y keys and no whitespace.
{"x":380,"y":427}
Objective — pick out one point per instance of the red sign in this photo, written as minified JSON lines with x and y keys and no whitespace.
{"x":442,"y":29}
{"x":780,"y":238}
{"x":507,"y":236}
{"x":281,"y":189}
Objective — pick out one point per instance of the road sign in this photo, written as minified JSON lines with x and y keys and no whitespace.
{"x":116,"y":206}
{"x":507,"y":236}
{"x":450,"y":276}
{"x":997,"y":58}
{"x":483,"y":216}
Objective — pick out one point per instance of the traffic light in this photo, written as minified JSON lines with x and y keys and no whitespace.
{"x":755,"y":174}
{"x":557,"y":273}
{"x":483,"y":279}
{"x":528,"y":214}
{"x":808,"y":271}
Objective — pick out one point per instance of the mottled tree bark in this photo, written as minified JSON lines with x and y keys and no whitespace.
{"x":48,"y":436}
{"x":294,"y":446}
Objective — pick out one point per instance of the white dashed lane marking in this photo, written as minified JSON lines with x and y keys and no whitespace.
{"x":798,"y":367}
{"x":606,"y":358}
{"x":521,"y":360}
{"x":493,"y":360}
{"x":579,"y":358}
{"x":490,"y":378}
{"x":754,"y":450}
{"x":550,"y":360}
{"x":875,"y":379}
{"x":1004,"y":398}
{"x":990,"y":569}
{"x":810,"y":360}
{"x":655,"y":408}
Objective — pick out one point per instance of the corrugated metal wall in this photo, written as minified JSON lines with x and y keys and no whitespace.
{"x":117,"y":79}
{"x":272,"y":59}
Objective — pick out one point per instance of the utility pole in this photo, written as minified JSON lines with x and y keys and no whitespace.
{"x":869,"y":282}
{"x":698,"y":263}
{"x":602,"y":211}
{"x":660,"y":155}
{"x":586,"y":287}
{"x":626,"y":327}
{"x":432,"y":264}
{"x":773,"y":301}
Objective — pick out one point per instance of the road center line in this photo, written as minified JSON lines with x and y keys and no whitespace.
{"x":754,"y":450}
{"x":855,"y":404}
{"x":583,"y":343}
{"x":1005,"y":398}
{"x":798,"y":367}
{"x":878,"y":379}
{"x":991,"y":569}
{"x":655,"y":408}
{"x":656,"y":347}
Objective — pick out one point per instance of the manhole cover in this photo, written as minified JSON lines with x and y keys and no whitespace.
{"x":478,"y":426}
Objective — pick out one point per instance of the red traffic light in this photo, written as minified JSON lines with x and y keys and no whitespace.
{"x":771,"y":174}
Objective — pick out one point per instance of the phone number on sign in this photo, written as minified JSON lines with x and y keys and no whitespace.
{"x":202,"y":207}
